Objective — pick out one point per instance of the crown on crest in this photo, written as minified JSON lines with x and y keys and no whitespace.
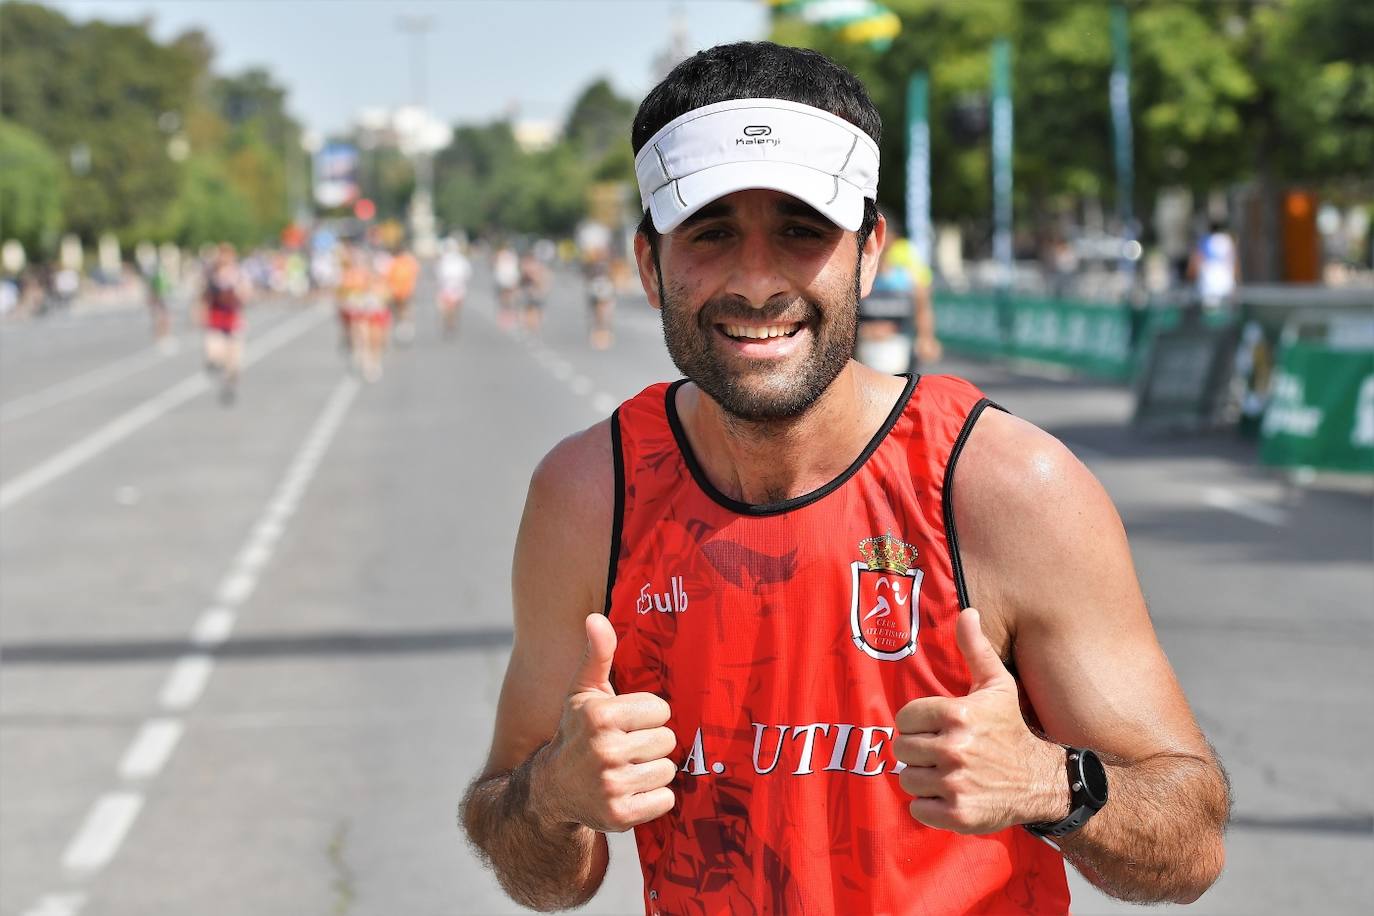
{"x":887,"y":552}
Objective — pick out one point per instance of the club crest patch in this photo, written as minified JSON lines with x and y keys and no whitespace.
{"x":886,"y":595}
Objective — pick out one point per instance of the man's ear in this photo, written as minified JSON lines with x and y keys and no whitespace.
{"x":648,"y":270}
{"x":872,"y":254}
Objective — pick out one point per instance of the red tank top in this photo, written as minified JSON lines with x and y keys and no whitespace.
{"x":785,"y":638}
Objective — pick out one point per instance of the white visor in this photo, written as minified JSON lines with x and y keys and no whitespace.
{"x":757,"y":143}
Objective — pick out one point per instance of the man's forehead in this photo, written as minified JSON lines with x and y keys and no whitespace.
{"x":731,"y":204}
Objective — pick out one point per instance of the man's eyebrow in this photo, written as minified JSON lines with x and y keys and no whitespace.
{"x":713,"y":210}
{"x":791,"y":206}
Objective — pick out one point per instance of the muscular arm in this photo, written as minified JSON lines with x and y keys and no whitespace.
{"x":541,"y":859}
{"x":1048,"y":564}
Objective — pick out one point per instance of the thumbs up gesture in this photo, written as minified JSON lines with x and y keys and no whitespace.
{"x":607,"y":766}
{"x":972,"y":763}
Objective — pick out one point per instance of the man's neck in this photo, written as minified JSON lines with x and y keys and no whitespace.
{"x":770,"y":461}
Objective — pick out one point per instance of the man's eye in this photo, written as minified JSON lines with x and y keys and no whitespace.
{"x":709,"y":235}
{"x":802,"y":232}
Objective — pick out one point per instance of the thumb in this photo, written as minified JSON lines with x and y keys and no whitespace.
{"x":595,"y":673}
{"x":984,"y":666}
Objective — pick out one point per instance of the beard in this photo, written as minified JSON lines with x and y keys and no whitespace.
{"x":762,"y":390}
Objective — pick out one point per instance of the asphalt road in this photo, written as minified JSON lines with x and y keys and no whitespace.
{"x":249,"y":657}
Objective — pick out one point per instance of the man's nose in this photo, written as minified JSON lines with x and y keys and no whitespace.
{"x":755,"y":277}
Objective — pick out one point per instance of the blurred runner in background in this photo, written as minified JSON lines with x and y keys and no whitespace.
{"x":896,"y":345}
{"x":534,"y":284}
{"x":454,"y":272}
{"x":505,"y":268}
{"x":401,"y":275}
{"x":222,"y":315}
{"x":363,"y":304}
{"x":159,"y":282}
{"x":601,"y":298}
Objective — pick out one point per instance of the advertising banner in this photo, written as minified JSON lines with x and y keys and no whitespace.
{"x":1321,"y":410}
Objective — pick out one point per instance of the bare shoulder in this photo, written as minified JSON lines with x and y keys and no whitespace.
{"x":1025,"y":507}
{"x":1047,"y":562}
{"x":567,"y":519}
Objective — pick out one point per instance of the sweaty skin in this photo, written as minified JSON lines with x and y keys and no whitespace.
{"x":1071,"y":617}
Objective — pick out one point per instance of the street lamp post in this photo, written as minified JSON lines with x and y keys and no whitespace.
{"x":422,"y":202}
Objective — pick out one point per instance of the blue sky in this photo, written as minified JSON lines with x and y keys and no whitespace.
{"x":337,"y":56}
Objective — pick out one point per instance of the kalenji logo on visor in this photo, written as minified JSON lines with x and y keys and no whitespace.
{"x":757,"y":135}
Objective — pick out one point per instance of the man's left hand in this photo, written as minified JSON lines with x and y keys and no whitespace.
{"x":972,"y":763}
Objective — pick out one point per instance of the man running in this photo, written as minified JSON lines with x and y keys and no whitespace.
{"x":402,"y":272}
{"x":454,"y":271}
{"x":222,"y":316}
{"x":743,"y":621}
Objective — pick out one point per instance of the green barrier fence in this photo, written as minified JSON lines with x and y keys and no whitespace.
{"x":1092,"y":338}
{"x":1321,"y":410}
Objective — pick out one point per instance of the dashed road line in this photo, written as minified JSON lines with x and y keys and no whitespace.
{"x":57,"y":905}
{"x":151,"y":748}
{"x":113,"y":814}
{"x":104,"y":829}
{"x":93,"y":380}
{"x":186,"y":681}
{"x":130,"y":422}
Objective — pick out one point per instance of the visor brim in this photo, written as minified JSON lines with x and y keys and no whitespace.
{"x":838,"y":201}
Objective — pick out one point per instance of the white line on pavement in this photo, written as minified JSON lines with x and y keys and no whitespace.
{"x":186,"y":681}
{"x":603,"y":403}
{"x":213,"y":627}
{"x":581,"y":385}
{"x":1219,"y":498}
{"x":29,"y":404}
{"x":57,"y":905}
{"x":114,"y":813}
{"x":150,"y":749}
{"x":125,"y":425}
{"x":99,"y":837}
{"x":236,"y":587}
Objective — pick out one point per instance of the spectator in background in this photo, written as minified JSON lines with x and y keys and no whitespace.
{"x":1214,"y":267}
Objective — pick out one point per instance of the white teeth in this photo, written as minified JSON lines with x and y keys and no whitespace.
{"x":735,"y":330}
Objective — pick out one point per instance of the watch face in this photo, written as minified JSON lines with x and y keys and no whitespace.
{"x":1094,"y":777}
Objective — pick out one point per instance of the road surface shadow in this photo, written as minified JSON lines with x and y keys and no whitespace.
{"x":339,"y":643}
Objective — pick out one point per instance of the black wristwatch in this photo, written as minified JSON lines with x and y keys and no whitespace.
{"x":1087,"y":793}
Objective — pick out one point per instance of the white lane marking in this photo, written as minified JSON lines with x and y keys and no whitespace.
{"x":253,"y":556}
{"x":113,"y":814}
{"x":125,"y":425}
{"x":29,"y":404}
{"x":603,"y":403}
{"x":213,"y":627}
{"x":150,"y":749}
{"x":186,"y":681}
{"x":581,"y":385}
{"x":561,"y":371}
{"x":99,"y":837}
{"x":1219,"y":498}
{"x":57,"y":905}
{"x":236,"y":587}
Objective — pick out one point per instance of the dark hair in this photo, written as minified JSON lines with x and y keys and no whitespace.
{"x":757,"y":70}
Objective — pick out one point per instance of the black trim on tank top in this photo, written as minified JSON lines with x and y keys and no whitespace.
{"x":947,"y":499}
{"x":618,"y":511}
{"x":797,"y":502}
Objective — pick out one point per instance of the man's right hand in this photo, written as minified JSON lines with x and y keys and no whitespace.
{"x":607,"y":766}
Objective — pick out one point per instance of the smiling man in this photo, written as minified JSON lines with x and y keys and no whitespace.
{"x":752,"y":638}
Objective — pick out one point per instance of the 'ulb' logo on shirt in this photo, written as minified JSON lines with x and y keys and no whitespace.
{"x":886,"y":594}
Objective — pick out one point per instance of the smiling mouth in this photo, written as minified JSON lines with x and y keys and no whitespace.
{"x":749,"y":332}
